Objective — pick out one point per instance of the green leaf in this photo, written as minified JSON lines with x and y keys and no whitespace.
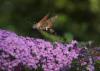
{"x":52,"y":37}
{"x":68,"y":37}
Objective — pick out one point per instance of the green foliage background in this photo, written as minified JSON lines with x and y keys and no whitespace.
{"x":78,"y":19}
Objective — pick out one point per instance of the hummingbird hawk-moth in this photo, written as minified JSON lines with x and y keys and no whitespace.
{"x":46,"y":24}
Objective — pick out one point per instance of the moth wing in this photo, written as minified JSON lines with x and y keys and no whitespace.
{"x":41,"y":22}
{"x":51,"y":21}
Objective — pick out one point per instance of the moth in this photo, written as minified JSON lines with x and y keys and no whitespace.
{"x":46,"y":24}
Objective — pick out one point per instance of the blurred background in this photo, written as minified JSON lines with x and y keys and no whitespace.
{"x":77,"y":19}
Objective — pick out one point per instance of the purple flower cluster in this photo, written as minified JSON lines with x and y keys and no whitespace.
{"x":33,"y":53}
{"x":86,"y":60}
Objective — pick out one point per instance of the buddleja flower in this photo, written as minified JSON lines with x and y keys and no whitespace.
{"x":14,"y":51}
{"x":86,"y":57}
{"x":18,"y":51}
{"x":52,"y":57}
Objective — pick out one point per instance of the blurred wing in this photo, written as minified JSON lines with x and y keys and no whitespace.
{"x":51,"y":21}
{"x":50,"y":25}
{"x":40,"y":23}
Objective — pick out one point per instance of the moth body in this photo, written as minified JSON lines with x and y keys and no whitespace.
{"x":45,"y":24}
